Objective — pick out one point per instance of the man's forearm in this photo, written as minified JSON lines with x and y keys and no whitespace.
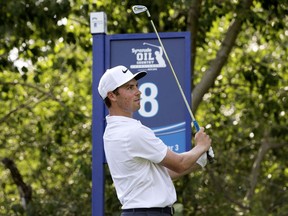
{"x":175,"y":175}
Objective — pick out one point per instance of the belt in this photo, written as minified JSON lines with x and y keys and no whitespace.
{"x":168,"y":210}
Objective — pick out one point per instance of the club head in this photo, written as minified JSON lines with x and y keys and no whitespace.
{"x":139,"y":9}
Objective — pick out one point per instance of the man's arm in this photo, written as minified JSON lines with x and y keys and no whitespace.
{"x":175,"y":175}
{"x":184,"y":163}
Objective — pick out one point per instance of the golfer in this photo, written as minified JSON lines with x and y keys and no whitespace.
{"x":141,"y":165}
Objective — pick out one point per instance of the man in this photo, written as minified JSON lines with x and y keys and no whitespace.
{"x":141,"y":165}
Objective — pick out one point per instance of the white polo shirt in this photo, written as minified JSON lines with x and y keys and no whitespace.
{"x":133,"y":153}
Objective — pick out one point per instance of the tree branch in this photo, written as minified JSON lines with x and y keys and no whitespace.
{"x":38,"y":89}
{"x":21,"y":106}
{"x":192,"y":26}
{"x":25,"y":190}
{"x":222,"y":55}
{"x":266,"y":145}
{"x":218,"y":185}
{"x":34,"y":87}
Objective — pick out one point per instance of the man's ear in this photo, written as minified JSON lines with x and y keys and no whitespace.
{"x":111,"y":96}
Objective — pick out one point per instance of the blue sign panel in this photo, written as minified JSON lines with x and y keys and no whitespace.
{"x":162,"y":106}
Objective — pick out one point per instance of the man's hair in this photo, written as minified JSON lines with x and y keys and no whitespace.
{"x":107,"y":100}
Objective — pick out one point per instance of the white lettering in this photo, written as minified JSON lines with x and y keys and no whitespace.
{"x":149,"y":99}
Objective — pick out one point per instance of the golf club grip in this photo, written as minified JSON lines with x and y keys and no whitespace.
{"x":196,"y":125}
{"x":210,"y":159}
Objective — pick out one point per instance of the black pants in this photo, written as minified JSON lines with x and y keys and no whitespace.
{"x":167,"y":211}
{"x":146,"y":213}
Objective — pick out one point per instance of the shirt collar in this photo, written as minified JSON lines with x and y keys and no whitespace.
{"x":111,"y":119}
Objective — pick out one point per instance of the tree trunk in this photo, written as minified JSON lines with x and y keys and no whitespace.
{"x":192,"y":26}
{"x":222,"y":55}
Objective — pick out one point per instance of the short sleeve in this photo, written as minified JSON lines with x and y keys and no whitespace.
{"x":144,"y":144}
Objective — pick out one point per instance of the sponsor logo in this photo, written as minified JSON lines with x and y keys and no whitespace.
{"x":149,"y":57}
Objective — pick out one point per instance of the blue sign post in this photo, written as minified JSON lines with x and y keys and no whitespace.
{"x":98,"y":30}
{"x":162,"y":107}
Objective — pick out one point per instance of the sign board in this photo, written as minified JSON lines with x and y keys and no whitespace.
{"x":162,"y":106}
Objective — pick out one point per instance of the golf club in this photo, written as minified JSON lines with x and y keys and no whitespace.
{"x":140,"y":9}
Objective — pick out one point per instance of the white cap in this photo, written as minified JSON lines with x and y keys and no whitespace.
{"x":116,"y":77}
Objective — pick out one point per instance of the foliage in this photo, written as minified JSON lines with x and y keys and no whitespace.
{"x":46,"y":105}
{"x":45,"y":121}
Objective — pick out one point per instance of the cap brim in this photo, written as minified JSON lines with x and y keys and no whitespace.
{"x":140,"y":75}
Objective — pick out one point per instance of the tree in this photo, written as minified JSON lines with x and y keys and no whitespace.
{"x":249,"y":73}
{"x":45,"y":55}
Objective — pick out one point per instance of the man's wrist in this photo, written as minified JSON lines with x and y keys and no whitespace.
{"x":200,"y":149}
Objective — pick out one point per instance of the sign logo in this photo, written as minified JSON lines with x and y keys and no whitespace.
{"x":150,"y":58}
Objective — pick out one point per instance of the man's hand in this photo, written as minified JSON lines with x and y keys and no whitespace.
{"x":202,"y":139}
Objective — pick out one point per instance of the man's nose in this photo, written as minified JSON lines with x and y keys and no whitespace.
{"x":138,"y":92}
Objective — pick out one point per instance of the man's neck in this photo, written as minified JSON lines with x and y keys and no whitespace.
{"x":113,"y":112}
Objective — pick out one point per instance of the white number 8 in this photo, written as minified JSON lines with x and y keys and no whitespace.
{"x":148,"y":98}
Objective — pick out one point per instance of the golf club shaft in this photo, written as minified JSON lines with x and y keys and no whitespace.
{"x":194,"y":122}
{"x":174,"y":74}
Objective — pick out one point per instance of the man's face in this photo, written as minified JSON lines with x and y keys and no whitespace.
{"x":128,"y":97}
